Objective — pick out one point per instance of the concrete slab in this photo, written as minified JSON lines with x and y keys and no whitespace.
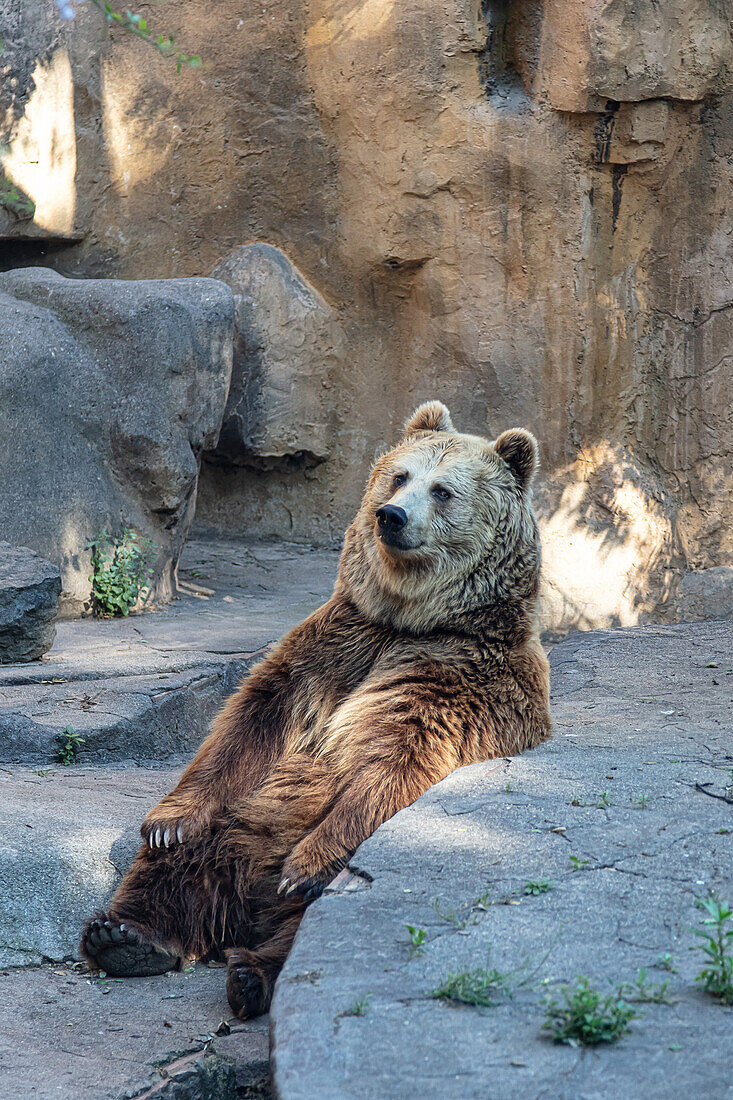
{"x":624,"y":811}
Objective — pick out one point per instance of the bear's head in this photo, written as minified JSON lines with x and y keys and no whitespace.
{"x":446,"y":534}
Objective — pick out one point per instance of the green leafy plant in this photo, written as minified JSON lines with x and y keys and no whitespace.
{"x":538,"y":886}
{"x":134,"y":23}
{"x":69,"y":744}
{"x":717,"y":945}
{"x":577,"y":864}
{"x":509,"y":787}
{"x":641,"y":991}
{"x":604,"y":799}
{"x":360,"y":1006}
{"x":641,"y":801}
{"x":417,"y":939}
{"x":121,"y":571}
{"x":584,"y":1017}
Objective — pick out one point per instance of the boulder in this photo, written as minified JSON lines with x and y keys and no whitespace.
{"x":29,"y":597}
{"x":109,"y":393}
{"x":288,"y":341}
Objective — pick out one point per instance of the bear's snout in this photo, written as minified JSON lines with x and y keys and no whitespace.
{"x":391,"y":519}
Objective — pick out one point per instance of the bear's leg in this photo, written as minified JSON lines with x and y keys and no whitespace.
{"x":171,"y":904}
{"x":252,"y":974}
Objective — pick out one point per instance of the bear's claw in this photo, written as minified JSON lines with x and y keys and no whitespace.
{"x":122,"y":952}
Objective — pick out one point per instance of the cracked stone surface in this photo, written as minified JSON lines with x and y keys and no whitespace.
{"x":68,"y":1036}
{"x":627,"y":811}
{"x":146,"y":687}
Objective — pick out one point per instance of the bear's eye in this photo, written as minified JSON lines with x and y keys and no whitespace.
{"x":398,"y":479}
{"x":441,"y":492}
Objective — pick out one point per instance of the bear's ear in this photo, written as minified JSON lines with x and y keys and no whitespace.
{"x":519,"y":450}
{"x":430,"y":417}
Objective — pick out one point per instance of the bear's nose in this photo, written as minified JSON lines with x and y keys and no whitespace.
{"x":391,"y":518}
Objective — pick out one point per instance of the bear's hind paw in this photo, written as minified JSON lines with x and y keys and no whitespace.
{"x":122,"y":952}
{"x":249,"y":991}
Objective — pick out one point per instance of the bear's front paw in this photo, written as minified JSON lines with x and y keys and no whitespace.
{"x":307,"y":882}
{"x":165,"y":827}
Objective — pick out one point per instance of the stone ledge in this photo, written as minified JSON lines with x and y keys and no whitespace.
{"x":641,"y":712}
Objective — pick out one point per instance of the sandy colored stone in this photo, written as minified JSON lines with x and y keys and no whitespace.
{"x":525,"y":216}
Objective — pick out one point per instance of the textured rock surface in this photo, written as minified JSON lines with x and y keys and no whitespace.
{"x":109,"y":393}
{"x":521,"y":209}
{"x":107,"y":1040}
{"x":287,"y":350}
{"x":642,"y":717}
{"x":29,"y":599}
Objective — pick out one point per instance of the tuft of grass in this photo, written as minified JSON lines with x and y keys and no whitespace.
{"x":717,"y":945}
{"x":641,"y":991}
{"x":584,"y":1017}
{"x":69,"y":744}
{"x":604,"y":799}
{"x":538,"y":886}
{"x":122,"y":568}
{"x":360,"y":1007}
{"x":641,"y":801}
{"x":483,"y":986}
{"x":509,"y":787}
{"x":417,"y":939}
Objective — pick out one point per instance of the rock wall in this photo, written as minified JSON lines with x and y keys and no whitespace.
{"x":522,"y":209}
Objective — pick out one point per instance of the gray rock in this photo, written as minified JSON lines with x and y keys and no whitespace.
{"x":29,"y":598}
{"x":288,"y":342}
{"x":642,"y":739}
{"x":706,"y":594}
{"x":109,"y":393}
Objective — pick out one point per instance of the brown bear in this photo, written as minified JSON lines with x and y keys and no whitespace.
{"x":426,"y":658}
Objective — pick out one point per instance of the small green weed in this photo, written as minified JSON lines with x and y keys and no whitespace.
{"x":665,"y":962}
{"x":538,"y":886}
{"x":417,"y":939}
{"x":509,"y":788}
{"x":577,"y":864}
{"x":717,"y":976}
{"x":483,"y":986}
{"x":641,"y":991}
{"x":69,"y":744}
{"x":585,"y":1017}
{"x":604,"y":799}
{"x":641,"y":801}
{"x":122,"y":568}
{"x":471,"y":914}
{"x":360,"y":1006}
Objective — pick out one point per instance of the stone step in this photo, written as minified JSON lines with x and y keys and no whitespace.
{"x":146,"y":687}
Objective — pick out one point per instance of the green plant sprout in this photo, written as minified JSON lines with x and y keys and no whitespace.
{"x":417,"y":939}
{"x":717,"y":976}
{"x":121,"y":571}
{"x":360,"y":1006}
{"x":641,"y":991}
{"x":538,"y":886}
{"x":69,"y":744}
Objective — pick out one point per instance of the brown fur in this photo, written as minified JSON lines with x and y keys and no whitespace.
{"x":425,"y":658}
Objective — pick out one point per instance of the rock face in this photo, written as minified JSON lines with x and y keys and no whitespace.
{"x":288,"y":346}
{"x":29,"y":597}
{"x":109,"y":393}
{"x":523,"y":210}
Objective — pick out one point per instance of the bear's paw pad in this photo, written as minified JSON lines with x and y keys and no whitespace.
{"x":248,"y":992}
{"x":122,"y":952}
